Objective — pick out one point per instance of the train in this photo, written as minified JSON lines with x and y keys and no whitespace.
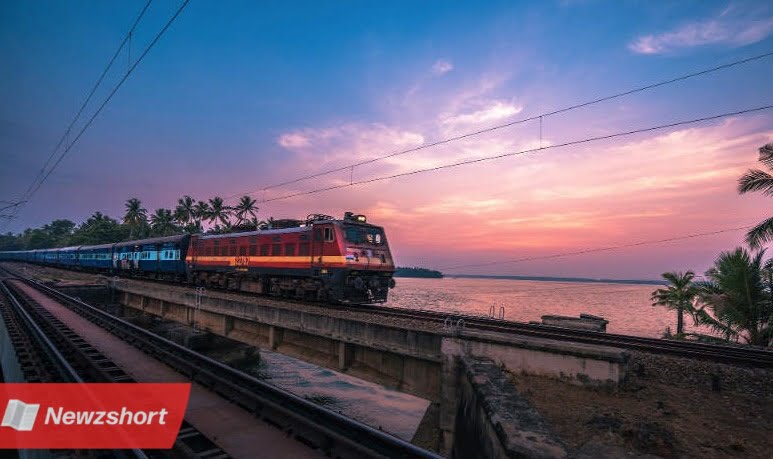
{"x":321,"y":258}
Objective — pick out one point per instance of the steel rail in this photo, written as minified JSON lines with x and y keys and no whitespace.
{"x":93,"y":366}
{"x":722,"y":353}
{"x":331,"y":432}
{"x":57,"y":358}
{"x":731,"y":354}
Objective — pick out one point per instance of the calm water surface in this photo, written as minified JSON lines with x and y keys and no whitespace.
{"x":627,"y":307}
{"x":394,"y":412}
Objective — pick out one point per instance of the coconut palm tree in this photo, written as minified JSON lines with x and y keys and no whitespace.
{"x":184,"y":212}
{"x":736,"y":297}
{"x":162,"y":223}
{"x":677,"y":296}
{"x":201,"y":212}
{"x":245,"y":209}
{"x":219,"y":212}
{"x":135,"y":216}
{"x":759,"y":180}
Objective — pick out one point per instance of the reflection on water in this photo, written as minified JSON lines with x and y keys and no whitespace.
{"x":627,"y":307}
{"x":372,"y":404}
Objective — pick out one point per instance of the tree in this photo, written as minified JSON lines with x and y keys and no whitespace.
{"x":678,"y":296}
{"x":201,"y":212}
{"x":759,"y":180}
{"x":184,"y":212}
{"x":162,"y":223}
{"x":99,"y":229}
{"x":737,"y":297}
{"x":246,"y":210}
{"x":136,"y":216}
{"x":219,"y":212}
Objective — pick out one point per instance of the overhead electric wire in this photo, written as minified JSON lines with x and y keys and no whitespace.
{"x":516,"y":153}
{"x":516,"y":122}
{"x":91,"y":94}
{"x":599,"y":249}
{"x":105,"y":102}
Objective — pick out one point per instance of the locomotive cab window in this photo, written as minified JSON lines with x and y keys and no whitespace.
{"x":328,"y":234}
{"x":364,"y":235}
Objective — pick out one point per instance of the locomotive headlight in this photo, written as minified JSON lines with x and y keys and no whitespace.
{"x":361,"y":219}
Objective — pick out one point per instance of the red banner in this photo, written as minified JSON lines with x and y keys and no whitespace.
{"x":91,"y":416}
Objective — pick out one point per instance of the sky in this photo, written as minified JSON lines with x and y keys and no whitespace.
{"x":238,"y":96}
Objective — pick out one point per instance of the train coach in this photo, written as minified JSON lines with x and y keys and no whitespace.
{"x":321,"y":258}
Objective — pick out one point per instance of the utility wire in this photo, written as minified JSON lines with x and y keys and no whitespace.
{"x":90,"y":95}
{"x":516,"y":122}
{"x":105,"y":102}
{"x":517,"y":153}
{"x":601,"y":249}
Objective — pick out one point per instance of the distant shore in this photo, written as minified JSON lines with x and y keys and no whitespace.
{"x":557,"y":279}
{"x":417,"y":272}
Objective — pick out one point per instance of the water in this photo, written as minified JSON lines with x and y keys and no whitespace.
{"x":627,"y":307}
{"x":394,"y":412}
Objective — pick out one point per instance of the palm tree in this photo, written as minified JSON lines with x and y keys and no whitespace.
{"x":219,"y":212}
{"x":136,"y":216}
{"x":162,"y":222}
{"x":758,"y":180}
{"x":678,"y":296}
{"x":245,"y":209}
{"x":184,"y":212}
{"x":737,"y":297}
{"x":201,"y":212}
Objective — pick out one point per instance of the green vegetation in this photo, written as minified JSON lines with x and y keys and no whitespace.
{"x":187,"y":217}
{"x":757,"y":180}
{"x":677,"y":296}
{"x":736,"y":298}
{"x":417,"y":272}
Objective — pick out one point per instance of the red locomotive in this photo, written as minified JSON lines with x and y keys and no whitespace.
{"x":321,"y":258}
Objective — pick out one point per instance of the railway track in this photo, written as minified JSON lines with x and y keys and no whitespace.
{"x":49,"y":351}
{"x":456,"y":322}
{"x":332,"y":433}
{"x":459,"y":323}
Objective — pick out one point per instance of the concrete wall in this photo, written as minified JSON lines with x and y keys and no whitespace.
{"x":494,"y":421}
{"x":403,"y":359}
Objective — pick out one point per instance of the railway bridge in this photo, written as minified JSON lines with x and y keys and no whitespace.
{"x":455,"y":362}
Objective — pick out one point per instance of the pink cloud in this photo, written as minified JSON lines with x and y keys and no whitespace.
{"x":720,"y":30}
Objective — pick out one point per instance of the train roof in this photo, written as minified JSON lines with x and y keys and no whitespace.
{"x":97,"y":247}
{"x":155,"y":240}
{"x":297,"y":229}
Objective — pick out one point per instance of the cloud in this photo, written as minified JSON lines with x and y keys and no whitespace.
{"x":293,"y":141}
{"x":442,"y":66}
{"x":495,"y":111}
{"x":726,"y":29}
{"x":347,"y":143}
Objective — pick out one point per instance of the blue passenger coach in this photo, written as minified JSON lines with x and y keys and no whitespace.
{"x":96,"y":257}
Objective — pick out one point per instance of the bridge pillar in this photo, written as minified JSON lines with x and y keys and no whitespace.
{"x":274,"y":337}
{"x":345,"y":355}
{"x":450,"y":377}
{"x":228,"y":324}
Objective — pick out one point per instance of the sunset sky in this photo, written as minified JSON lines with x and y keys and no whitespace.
{"x":238,"y":96}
